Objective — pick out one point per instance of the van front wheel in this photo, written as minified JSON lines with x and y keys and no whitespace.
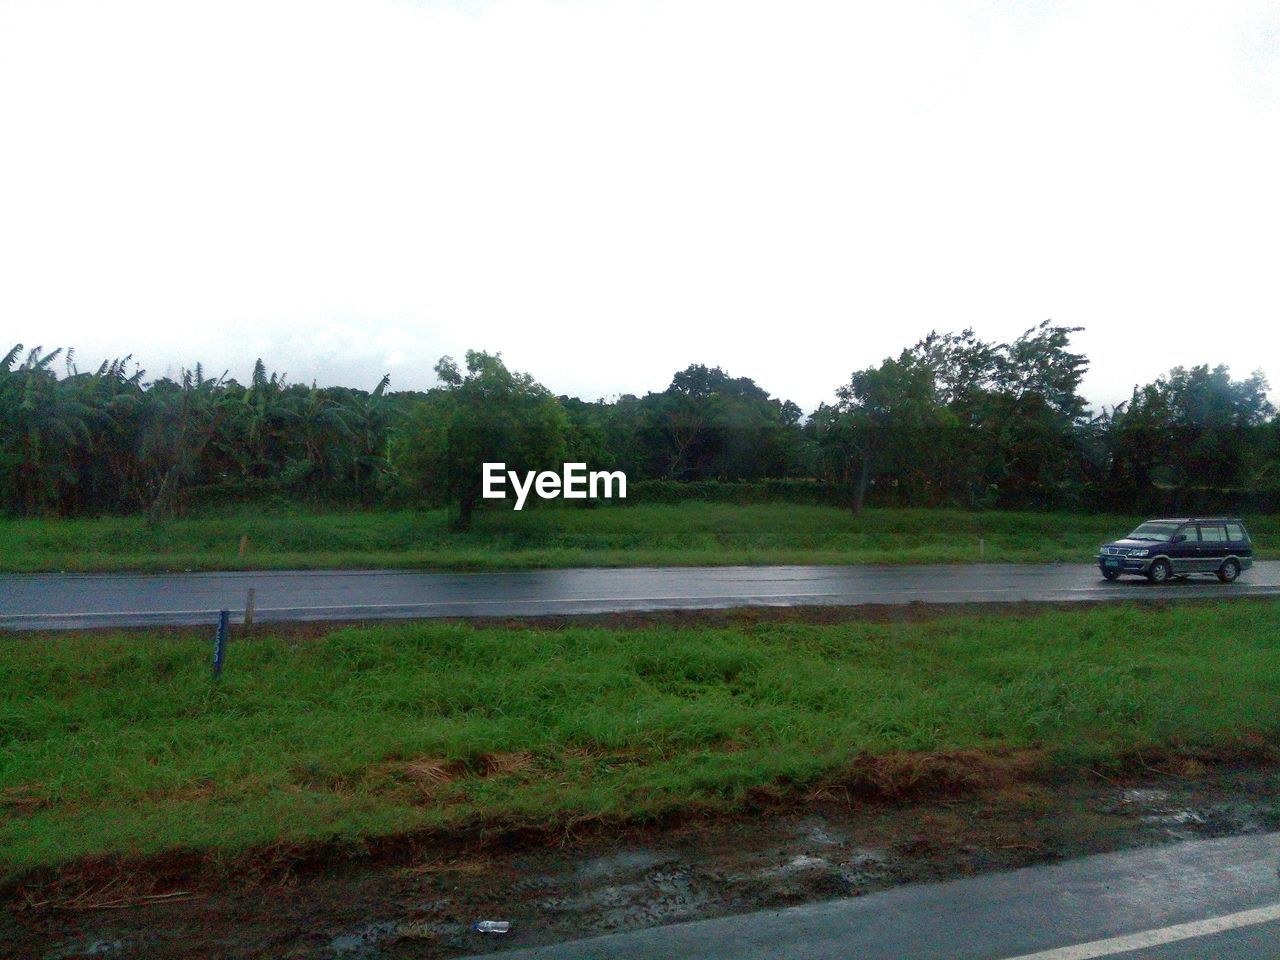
{"x":1159,"y":571}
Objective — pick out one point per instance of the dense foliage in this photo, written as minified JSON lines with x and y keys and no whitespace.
{"x":952,"y":420}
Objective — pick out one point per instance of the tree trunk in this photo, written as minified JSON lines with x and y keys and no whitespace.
{"x":860,"y":489}
{"x":465,"y":507}
{"x":164,"y":507}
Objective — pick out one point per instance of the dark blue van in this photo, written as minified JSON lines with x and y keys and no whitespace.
{"x":1162,"y":549}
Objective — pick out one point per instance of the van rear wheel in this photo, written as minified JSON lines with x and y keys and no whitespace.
{"x":1229,"y":571}
{"x":1159,"y":571}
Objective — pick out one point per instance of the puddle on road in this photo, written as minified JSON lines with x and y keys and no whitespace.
{"x":638,"y":887}
{"x":91,"y":948}
{"x":363,"y":941}
{"x":865,"y":868}
{"x":1180,"y":813}
{"x":1144,"y":796}
{"x":800,"y":864}
{"x":370,"y":940}
{"x":615,"y":863}
{"x":816,"y":830}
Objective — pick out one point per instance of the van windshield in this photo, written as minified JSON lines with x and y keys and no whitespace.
{"x":1154,"y":531}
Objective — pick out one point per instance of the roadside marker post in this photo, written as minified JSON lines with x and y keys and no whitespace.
{"x":250,"y":602}
{"x":220,"y":642}
{"x":244,"y":543}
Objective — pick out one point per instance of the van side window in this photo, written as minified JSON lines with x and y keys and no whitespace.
{"x":1235,"y":531}
{"x":1189,"y":531}
{"x":1213,"y":534}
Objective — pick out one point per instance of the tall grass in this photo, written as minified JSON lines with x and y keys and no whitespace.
{"x":123,"y":744}
{"x":647,"y":535}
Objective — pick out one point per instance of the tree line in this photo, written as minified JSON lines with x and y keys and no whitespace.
{"x":951,"y":421}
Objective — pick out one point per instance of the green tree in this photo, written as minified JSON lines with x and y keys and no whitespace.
{"x":488,"y":414}
{"x":1035,"y":414}
{"x":709,"y":425}
{"x":881,"y":417}
{"x":963,"y":448}
{"x":186,"y":417}
{"x":47,"y":425}
{"x":1194,"y":428}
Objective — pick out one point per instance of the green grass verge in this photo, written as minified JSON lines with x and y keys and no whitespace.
{"x":122,"y":744}
{"x":650,"y":535}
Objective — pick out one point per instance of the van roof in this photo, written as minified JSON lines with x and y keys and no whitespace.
{"x":1195,"y":520}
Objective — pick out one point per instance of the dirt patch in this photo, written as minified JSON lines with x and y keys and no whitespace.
{"x":841,"y":840}
{"x":932,"y":781}
{"x":898,"y":776}
{"x":872,"y":778}
{"x":21,"y":801}
{"x":423,"y":776}
{"x":731,"y":617}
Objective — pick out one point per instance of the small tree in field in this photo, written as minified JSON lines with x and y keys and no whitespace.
{"x":884,"y":416}
{"x":488,"y":414}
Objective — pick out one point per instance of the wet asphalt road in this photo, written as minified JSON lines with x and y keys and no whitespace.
{"x":1205,"y":898}
{"x":67,"y":601}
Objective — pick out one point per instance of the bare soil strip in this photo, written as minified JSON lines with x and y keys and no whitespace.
{"x":416,"y":897}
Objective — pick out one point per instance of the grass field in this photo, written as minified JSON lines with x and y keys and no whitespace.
{"x":122,"y":744}
{"x":657,"y":535}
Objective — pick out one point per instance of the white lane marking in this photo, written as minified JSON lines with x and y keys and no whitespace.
{"x":471,"y":603}
{"x":1156,"y":938}
{"x":1014,"y":597}
{"x":415,"y":605}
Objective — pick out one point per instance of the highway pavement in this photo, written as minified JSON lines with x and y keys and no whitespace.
{"x":1205,"y":898}
{"x":66,"y":601}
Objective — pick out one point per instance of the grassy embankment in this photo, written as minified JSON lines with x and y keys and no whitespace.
{"x":122,"y":744}
{"x":647,"y":535}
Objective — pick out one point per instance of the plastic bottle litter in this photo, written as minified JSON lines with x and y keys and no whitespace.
{"x":491,"y":926}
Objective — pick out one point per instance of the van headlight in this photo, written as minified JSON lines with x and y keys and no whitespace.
{"x":1138,"y":553}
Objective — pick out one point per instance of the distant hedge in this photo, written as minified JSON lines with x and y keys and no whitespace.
{"x":737,"y":491}
{"x":1201,"y":501}
{"x":817,"y":492}
{"x":792,"y":490}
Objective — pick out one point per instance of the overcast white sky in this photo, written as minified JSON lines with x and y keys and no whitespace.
{"x":609,"y":191}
